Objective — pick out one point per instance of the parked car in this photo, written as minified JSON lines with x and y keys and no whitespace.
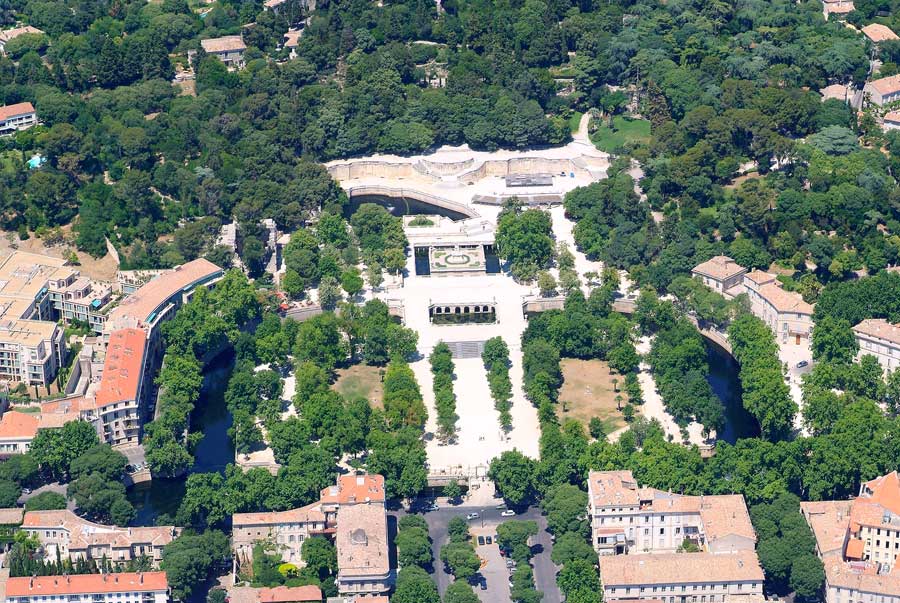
{"x":482,"y":584}
{"x":508,"y":513}
{"x":481,"y":540}
{"x":433,"y":506}
{"x":510,"y":563}
{"x":488,"y":540}
{"x":26,"y":490}
{"x":472,"y":516}
{"x":802,"y":363}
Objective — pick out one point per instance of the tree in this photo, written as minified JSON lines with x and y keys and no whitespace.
{"x":320,"y":557}
{"x":514,"y":536}
{"x":101,"y":499}
{"x":415,"y":586}
{"x":453,"y":490}
{"x":101,"y":459}
{"x":564,"y":506}
{"x":578,"y":580}
{"x":546,"y":283}
{"x":461,"y":559}
{"x":458,"y":529}
{"x":414,"y":547}
{"x":9,"y":493}
{"x":352,"y":282}
{"x":329,"y":293}
{"x":834,"y":140}
{"x":190,"y":559}
{"x":571,"y":546}
{"x":595,"y":428}
{"x":513,"y":473}
{"x":46,"y":501}
{"x":833,"y":340}
{"x":459,"y":591}
{"x":55,"y":449}
{"x":807,"y":577}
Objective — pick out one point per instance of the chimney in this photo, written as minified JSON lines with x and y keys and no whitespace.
{"x":140,"y":577}
{"x":740,"y":563}
{"x":31,"y":583}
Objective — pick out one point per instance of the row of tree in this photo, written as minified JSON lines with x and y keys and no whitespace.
{"x":441,"y":361}
{"x":496,"y":361}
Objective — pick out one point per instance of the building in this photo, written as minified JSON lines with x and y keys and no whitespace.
{"x":228,"y":49}
{"x":626,"y":518}
{"x":836,"y":91}
{"x":284,"y":531}
{"x":789,"y":317}
{"x":289,"y":594}
{"x":883,"y":91}
{"x":682,"y":577}
{"x":145,"y":587}
{"x":13,"y":118}
{"x":877,"y":337}
{"x":17,"y":429}
{"x":837,"y":7}
{"x":157,"y":299}
{"x":74,"y":538}
{"x":362,"y":550}
{"x":120,"y":399}
{"x":891,"y":121}
{"x":8,"y":35}
{"x":859,"y":542}
{"x":352,"y":511}
{"x":721,"y":274}
{"x":31,"y":351}
{"x":876,"y":32}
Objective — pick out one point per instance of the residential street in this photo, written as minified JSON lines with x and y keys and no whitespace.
{"x":544,"y":570}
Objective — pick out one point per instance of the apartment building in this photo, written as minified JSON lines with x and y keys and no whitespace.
{"x":682,"y":577}
{"x":883,"y":91}
{"x":627,"y":518}
{"x":65,"y":534}
{"x":145,"y":587}
{"x":352,"y":511}
{"x":789,"y":317}
{"x":721,"y":274}
{"x":859,"y":542}
{"x":19,"y":116}
{"x":157,"y":300}
{"x":120,"y":399}
{"x":31,"y":351}
{"x":228,"y":49}
{"x":877,"y":337}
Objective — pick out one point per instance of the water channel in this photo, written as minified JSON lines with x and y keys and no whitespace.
{"x":723,"y":377}
{"x":161,"y":497}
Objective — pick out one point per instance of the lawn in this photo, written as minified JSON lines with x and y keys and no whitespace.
{"x":360,"y":381}
{"x":575,"y":121}
{"x":625,"y":129}
{"x":587,"y":392}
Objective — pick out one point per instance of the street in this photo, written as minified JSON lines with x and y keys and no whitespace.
{"x":544,"y":570}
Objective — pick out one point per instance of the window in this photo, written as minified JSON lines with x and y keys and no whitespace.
{"x":662,"y":531}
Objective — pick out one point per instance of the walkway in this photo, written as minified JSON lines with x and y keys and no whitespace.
{"x":653,"y":407}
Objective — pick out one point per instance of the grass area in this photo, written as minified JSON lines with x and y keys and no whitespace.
{"x":360,"y":381}
{"x":28,"y":409}
{"x":625,"y":129}
{"x":563,"y":71}
{"x":587,"y":392}
{"x":575,"y":121}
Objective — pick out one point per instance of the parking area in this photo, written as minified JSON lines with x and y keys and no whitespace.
{"x":494,"y":572}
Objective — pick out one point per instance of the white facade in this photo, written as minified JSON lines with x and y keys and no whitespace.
{"x":785,"y":312}
{"x":879,"y":338}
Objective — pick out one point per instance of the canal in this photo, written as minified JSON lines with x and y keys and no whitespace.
{"x":401,"y":206}
{"x":723,"y":378}
{"x":160,"y":499}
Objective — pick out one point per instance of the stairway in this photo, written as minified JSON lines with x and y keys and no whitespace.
{"x":466,"y":349}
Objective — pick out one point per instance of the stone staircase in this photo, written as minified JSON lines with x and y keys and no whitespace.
{"x":466,"y":349}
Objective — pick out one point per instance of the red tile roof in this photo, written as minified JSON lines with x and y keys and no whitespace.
{"x":15,"y":110}
{"x":147,"y":300}
{"x":878,"y":32}
{"x":855,"y":548}
{"x":286,"y":594}
{"x":86,"y":584}
{"x":884,"y":491}
{"x":352,"y":489}
{"x":122,"y":368}
{"x":18,"y":425}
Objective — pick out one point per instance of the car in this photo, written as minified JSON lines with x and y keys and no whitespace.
{"x":508,"y":513}
{"x":488,"y":540}
{"x":481,"y":540}
{"x":510,"y":563}
{"x":482,"y":584}
{"x":501,"y":506}
{"x":472,"y":516}
{"x":433,"y":507}
{"x":802,"y":363}
{"x":129,"y":469}
{"x":26,"y":490}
